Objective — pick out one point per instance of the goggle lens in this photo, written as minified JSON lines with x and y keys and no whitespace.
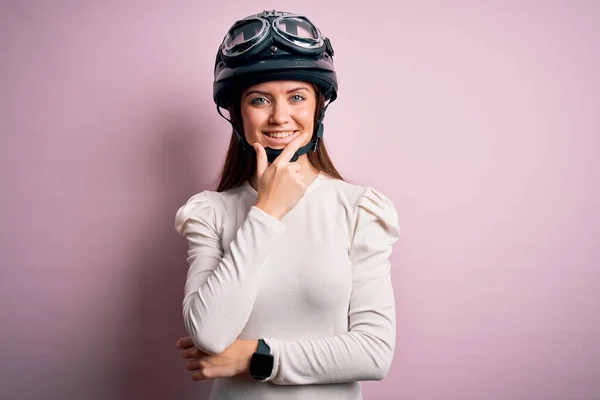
{"x":298,"y":27}
{"x":244,"y":35}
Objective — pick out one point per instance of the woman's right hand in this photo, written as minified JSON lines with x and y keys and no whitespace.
{"x":280,"y":185}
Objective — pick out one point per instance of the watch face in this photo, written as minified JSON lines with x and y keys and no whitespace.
{"x":261,"y":365}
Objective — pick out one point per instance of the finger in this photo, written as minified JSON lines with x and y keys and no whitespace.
{"x":294,"y":167}
{"x":261,"y":160}
{"x":199,"y":376}
{"x":184,"y":343}
{"x":188,"y":353}
{"x":287,"y":153}
{"x":203,"y":371}
{"x":192,"y":353}
{"x":193,"y":365}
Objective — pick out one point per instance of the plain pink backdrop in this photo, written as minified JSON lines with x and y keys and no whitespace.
{"x":480,"y":120}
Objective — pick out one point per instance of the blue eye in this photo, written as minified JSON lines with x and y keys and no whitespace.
{"x":297,"y":97}
{"x":258,"y":101}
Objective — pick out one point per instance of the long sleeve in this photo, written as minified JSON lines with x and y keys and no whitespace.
{"x":221,"y":287}
{"x":365,"y":352}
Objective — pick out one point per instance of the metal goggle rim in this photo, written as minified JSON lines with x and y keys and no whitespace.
{"x":305,"y":43}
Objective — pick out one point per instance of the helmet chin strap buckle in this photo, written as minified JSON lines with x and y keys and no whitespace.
{"x":272,"y":154}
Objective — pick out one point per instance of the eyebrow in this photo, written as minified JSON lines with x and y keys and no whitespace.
{"x":267,"y":93}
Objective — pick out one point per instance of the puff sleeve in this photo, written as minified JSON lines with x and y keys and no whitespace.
{"x":221,"y":287}
{"x":365,"y":352}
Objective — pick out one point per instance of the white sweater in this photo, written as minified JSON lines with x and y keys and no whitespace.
{"x":315,"y":286}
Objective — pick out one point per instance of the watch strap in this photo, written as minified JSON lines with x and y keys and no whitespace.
{"x":263,"y":347}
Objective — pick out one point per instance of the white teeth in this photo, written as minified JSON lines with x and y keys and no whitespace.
{"x":279,"y":134}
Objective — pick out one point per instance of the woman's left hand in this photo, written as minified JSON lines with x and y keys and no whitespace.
{"x":233,"y":361}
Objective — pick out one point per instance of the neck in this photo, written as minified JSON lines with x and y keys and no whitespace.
{"x":308,"y":171}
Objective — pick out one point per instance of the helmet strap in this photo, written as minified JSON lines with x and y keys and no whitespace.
{"x":242,"y":139}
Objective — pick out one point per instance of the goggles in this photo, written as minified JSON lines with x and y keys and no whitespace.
{"x":295,"y":33}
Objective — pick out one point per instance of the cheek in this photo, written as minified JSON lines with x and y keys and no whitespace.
{"x":252,"y":121}
{"x":306,"y":118}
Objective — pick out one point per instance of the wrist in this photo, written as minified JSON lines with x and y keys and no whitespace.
{"x":248,"y":349}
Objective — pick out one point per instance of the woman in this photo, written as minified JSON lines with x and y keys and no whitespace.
{"x":289,"y":280}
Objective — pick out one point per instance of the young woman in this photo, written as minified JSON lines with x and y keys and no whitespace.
{"x":288,"y":293}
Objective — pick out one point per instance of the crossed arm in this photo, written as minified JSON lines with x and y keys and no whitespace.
{"x":221,"y":288}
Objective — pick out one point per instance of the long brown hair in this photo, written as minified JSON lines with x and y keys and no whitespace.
{"x":239,"y":165}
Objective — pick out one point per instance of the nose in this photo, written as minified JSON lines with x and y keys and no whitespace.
{"x":280,"y":113}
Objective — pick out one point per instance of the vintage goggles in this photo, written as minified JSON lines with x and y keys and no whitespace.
{"x":294,"y":33}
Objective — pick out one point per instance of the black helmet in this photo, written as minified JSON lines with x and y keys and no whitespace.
{"x":271,"y":46}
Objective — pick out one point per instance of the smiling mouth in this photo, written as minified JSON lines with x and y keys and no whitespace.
{"x":279,"y":134}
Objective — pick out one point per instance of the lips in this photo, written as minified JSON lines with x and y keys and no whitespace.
{"x":279,"y":134}
{"x":278,"y":138}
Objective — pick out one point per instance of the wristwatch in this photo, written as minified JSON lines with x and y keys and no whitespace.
{"x":261,"y":363}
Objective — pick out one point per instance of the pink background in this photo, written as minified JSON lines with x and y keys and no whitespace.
{"x":480,"y":120}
